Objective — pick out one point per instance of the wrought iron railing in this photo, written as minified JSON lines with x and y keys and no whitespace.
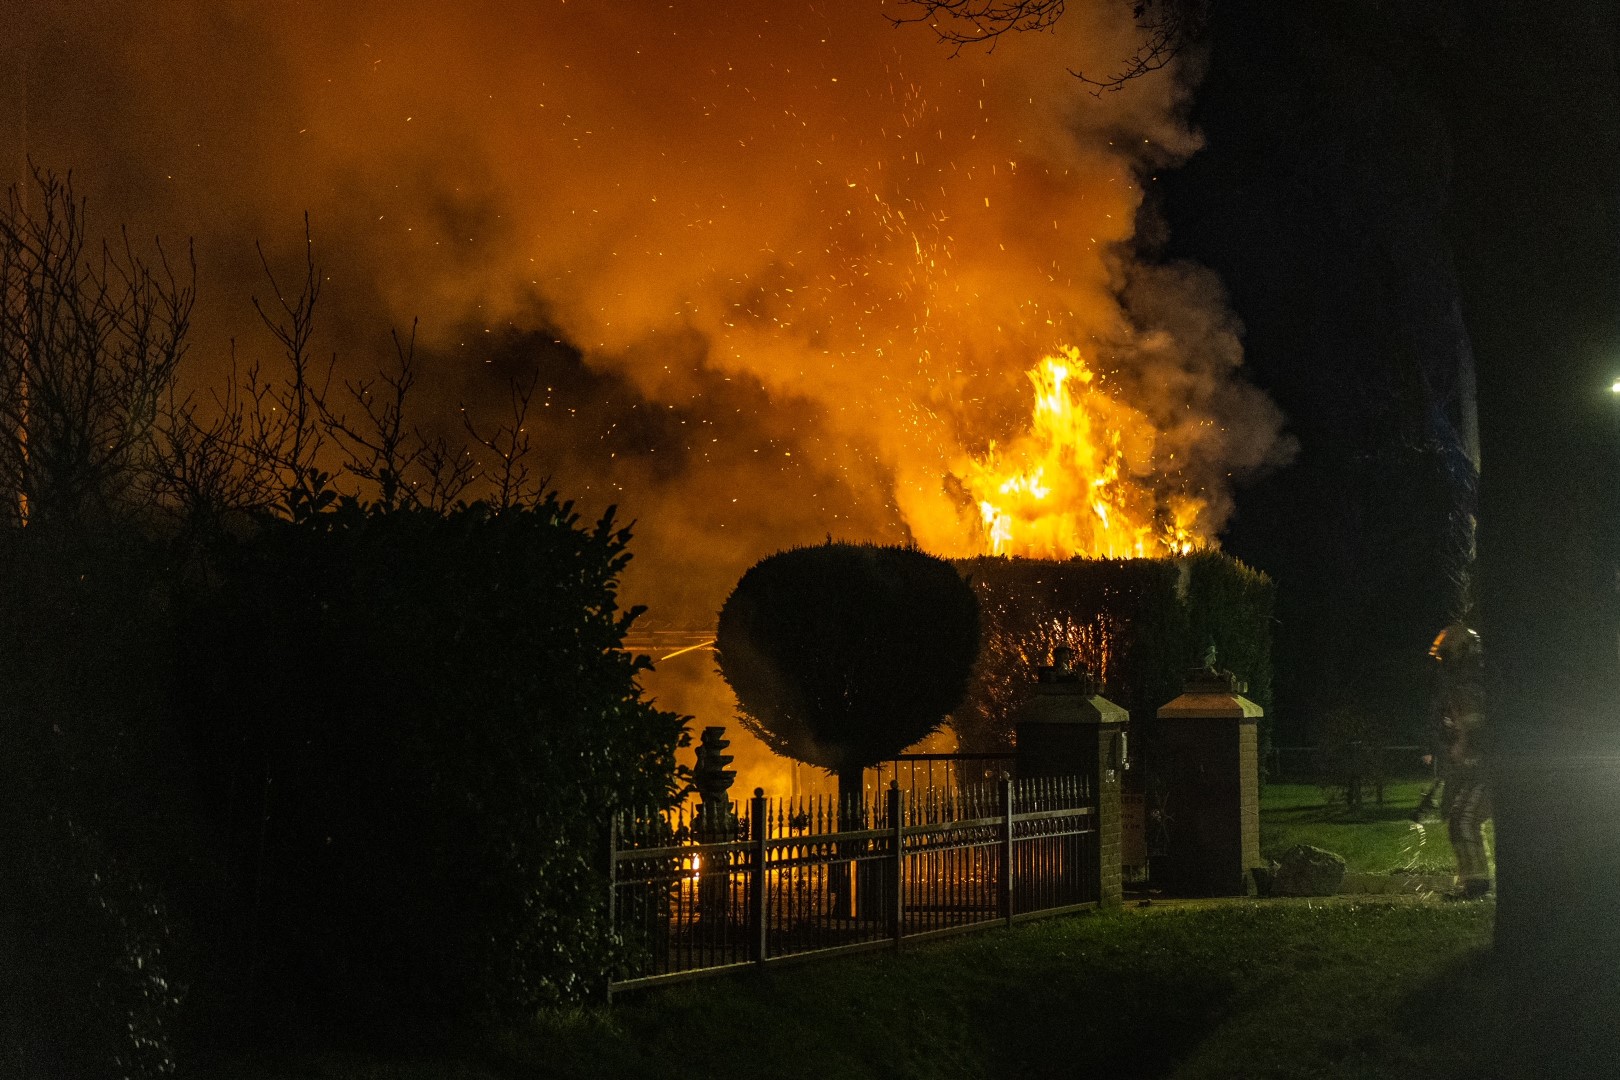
{"x":768,"y":879}
{"x":920,"y":774}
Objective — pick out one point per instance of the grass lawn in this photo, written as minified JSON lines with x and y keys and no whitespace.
{"x":1284,"y":989}
{"x":1373,"y":839}
{"x":1387,"y":987}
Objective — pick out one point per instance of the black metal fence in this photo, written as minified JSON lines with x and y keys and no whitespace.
{"x":754,"y":882}
{"x":920,"y":774}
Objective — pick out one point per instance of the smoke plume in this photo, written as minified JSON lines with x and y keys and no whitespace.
{"x":777,"y":268}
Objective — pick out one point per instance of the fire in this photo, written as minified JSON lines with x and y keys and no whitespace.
{"x":1081,"y":480}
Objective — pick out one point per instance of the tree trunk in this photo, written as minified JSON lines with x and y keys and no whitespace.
{"x":851,"y":794}
{"x":1537,"y":125}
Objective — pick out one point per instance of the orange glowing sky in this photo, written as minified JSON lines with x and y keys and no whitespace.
{"x":779,"y":268}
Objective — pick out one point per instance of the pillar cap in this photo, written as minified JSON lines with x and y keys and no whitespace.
{"x":1060,"y":703}
{"x":1210,"y":693}
{"x":1065,"y":694}
{"x":1211,"y":705}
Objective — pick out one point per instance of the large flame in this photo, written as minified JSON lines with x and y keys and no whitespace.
{"x":1083,"y":480}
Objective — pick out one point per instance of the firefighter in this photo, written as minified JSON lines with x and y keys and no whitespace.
{"x":1464,"y":802}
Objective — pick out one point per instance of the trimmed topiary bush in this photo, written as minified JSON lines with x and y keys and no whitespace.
{"x":842,"y":655}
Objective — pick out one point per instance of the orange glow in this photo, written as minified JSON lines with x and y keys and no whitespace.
{"x":778,"y":268}
{"x":1078,"y":481}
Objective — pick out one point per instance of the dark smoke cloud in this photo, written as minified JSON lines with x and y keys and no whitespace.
{"x":777,"y":265}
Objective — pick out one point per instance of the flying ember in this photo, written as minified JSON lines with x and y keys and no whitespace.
{"x":1082,"y":480}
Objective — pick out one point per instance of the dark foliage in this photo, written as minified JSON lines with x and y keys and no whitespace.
{"x":1350,"y":759}
{"x":1229,"y":605}
{"x":842,"y":655}
{"x":1137,"y":625}
{"x":290,"y":729}
{"x":94,"y":814}
{"x":416,"y":727}
{"x":353,"y":769}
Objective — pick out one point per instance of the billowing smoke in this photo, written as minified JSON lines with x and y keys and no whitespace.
{"x":776,"y":267}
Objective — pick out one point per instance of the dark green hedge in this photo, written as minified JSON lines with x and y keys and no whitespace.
{"x":97,"y":830}
{"x":419,"y":726}
{"x":1138,"y":624}
{"x":355,"y":769}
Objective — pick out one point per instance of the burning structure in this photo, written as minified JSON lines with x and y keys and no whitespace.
{"x":1066,"y":486}
{"x":773,"y":272}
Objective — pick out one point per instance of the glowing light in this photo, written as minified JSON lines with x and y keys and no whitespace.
{"x":1072,"y":485}
{"x":689,"y":648}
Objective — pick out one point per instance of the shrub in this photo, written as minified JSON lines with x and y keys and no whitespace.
{"x":1350,"y":758}
{"x":94,"y":822}
{"x":419,"y":725}
{"x":842,"y":655}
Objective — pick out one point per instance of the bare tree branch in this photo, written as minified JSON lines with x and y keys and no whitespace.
{"x":960,"y":23}
{"x":92,"y":421}
{"x":381,"y":449}
{"x":89,"y":349}
{"x":283,"y":434}
{"x":510,"y":445}
{"x":1167,"y":27}
{"x":448,"y":470}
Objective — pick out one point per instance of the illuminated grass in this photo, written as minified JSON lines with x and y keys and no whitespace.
{"x":1372,"y":839}
{"x":1397,"y":987}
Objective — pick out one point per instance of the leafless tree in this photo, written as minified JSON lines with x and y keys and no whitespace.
{"x":200,"y":470}
{"x":406,"y":465}
{"x":961,"y":23}
{"x":448,"y":471}
{"x":510,"y":476}
{"x":381,"y":448}
{"x":1167,"y":28}
{"x":92,"y":422}
{"x":282,"y":434}
{"x":89,"y":347}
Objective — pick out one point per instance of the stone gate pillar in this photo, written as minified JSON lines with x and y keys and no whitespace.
{"x":1068,"y":729}
{"x":1205,"y":769}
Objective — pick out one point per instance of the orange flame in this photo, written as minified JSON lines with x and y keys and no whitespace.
{"x":1081,"y":480}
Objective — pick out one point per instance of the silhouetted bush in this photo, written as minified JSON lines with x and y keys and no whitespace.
{"x":267,"y":745}
{"x":418,"y":725}
{"x":95,"y":821}
{"x":1352,"y":765}
{"x":354,"y":768}
{"x":842,"y":655}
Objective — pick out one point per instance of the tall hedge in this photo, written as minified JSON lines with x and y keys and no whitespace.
{"x":417,"y":726}
{"x":1137,"y":624}
{"x":97,"y":831}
